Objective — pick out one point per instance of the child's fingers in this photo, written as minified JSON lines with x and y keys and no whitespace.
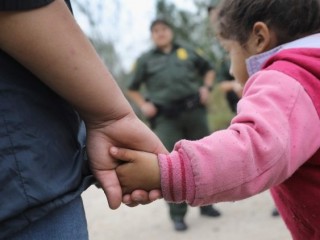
{"x":126,"y":199}
{"x":123,"y":154}
{"x":155,"y":194}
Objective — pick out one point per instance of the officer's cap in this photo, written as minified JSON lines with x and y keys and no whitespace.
{"x":160,"y":21}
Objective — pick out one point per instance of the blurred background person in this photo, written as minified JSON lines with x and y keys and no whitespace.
{"x":178,"y":82}
{"x":227,"y":84}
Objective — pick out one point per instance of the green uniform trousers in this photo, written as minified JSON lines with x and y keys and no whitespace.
{"x":191,"y":125}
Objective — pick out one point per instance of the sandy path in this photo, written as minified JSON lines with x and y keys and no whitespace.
{"x":245,"y":220}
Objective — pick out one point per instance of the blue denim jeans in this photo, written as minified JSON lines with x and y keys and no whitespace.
{"x":65,"y":223}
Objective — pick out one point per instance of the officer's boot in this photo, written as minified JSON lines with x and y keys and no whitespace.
{"x":209,"y":211}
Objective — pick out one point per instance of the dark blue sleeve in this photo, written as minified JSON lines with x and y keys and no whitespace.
{"x":18,"y":5}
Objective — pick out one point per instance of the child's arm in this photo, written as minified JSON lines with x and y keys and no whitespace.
{"x":256,"y":152}
{"x":139,"y":170}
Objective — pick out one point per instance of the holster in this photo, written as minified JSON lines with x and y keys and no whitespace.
{"x":175,"y":108}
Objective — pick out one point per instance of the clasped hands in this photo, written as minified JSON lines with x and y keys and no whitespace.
{"x":134,"y":180}
{"x":138,"y":174}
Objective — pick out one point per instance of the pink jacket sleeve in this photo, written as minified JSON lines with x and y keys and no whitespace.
{"x":275,"y":131}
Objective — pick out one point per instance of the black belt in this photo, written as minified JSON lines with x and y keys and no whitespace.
{"x":174,"y":108}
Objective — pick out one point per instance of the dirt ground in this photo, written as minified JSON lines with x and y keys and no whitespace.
{"x":249,"y":219}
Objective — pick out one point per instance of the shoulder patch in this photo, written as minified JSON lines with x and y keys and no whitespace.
{"x":182,"y":54}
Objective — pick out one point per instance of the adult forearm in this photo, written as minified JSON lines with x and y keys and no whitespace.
{"x":208,"y":79}
{"x":50,"y":44}
{"x":136,"y":97}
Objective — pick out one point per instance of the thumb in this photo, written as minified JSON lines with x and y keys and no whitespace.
{"x":123,"y":154}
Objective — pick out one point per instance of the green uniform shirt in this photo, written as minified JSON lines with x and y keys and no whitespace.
{"x":169,"y":76}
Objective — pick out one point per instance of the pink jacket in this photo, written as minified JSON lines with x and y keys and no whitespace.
{"x":276,"y":131}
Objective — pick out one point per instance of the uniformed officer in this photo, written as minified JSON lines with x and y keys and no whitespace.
{"x":178,"y":81}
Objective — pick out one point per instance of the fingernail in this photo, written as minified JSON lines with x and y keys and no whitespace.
{"x":113,"y":150}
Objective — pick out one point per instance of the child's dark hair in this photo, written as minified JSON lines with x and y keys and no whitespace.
{"x":289,"y":19}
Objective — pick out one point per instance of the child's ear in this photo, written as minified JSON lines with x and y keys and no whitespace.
{"x":263,"y":38}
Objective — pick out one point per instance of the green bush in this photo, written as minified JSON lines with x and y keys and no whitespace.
{"x":219,"y":113}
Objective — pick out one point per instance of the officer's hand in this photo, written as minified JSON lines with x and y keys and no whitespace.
{"x":204,"y":95}
{"x":149,"y":109}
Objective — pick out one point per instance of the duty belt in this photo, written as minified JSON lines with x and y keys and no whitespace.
{"x":174,"y":108}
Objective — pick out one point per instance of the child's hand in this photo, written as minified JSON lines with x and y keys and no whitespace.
{"x":139,"y":170}
{"x":141,"y":197}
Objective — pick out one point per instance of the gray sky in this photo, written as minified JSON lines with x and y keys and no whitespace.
{"x":127,"y":25}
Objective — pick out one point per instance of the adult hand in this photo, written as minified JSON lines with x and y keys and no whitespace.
{"x":128,"y":132}
{"x":149,"y":109}
{"x":204,"y":95}
{"x":78,"y":75}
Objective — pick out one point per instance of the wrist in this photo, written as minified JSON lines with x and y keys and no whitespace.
{"x":209,"y":87}
{"x":143,"y":104}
